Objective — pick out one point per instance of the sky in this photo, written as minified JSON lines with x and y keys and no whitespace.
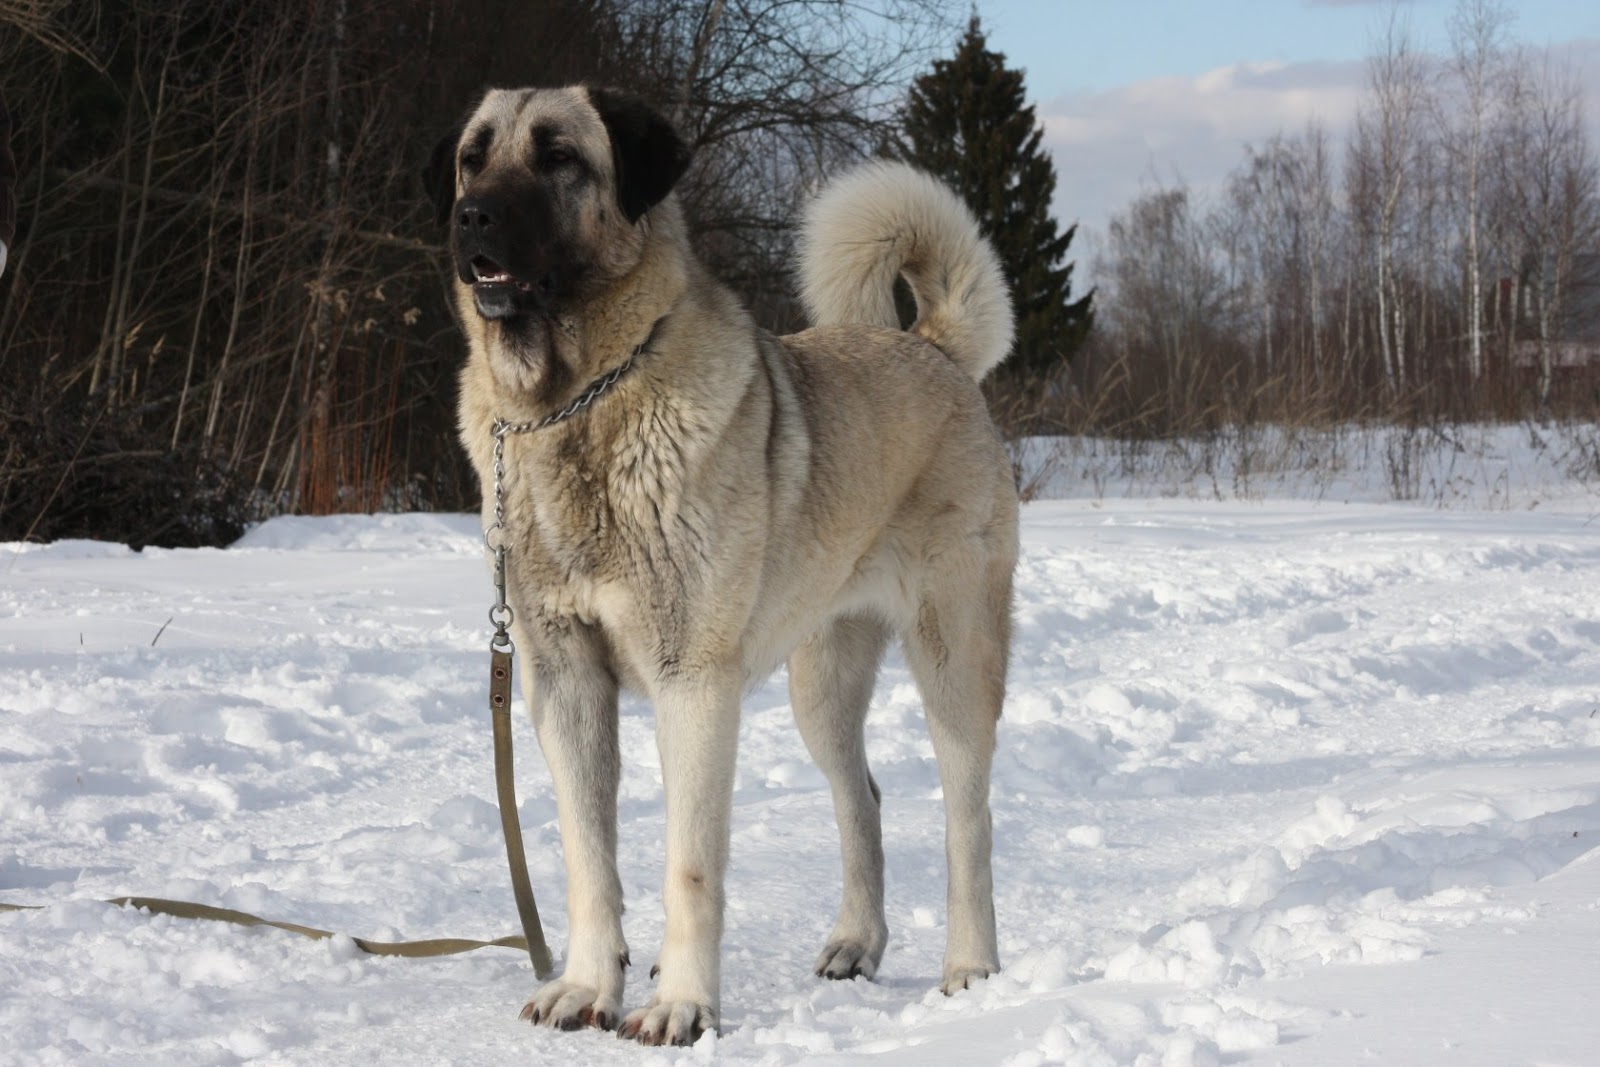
{"x":1141,"y":91}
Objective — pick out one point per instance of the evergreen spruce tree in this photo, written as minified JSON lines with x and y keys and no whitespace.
{"x":967,"y":124}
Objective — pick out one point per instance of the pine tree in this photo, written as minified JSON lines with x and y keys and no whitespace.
{"x":968,"y":124}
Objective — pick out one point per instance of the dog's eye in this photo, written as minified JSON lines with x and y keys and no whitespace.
{"x":471,"y":162}
{"x":558,"y":157}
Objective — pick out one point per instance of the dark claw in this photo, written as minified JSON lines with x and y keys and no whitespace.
{"x":636,"y":1030}
{"x":655,"y":970}
{"x":529,"y":1013}
{"x":833,"y":966}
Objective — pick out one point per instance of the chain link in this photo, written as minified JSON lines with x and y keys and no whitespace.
{"x":596,"y":389}
{"x":501,"y":614}
{"x":501,"y":652}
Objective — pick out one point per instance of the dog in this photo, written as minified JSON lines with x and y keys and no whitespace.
{"x":722,"y":500}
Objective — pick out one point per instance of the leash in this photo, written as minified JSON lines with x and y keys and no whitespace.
{"x":532,"y":939}
{"x":501,"y":651}
{"x":183,"y":909}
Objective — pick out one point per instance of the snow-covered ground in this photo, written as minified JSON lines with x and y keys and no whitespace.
{"x":1488,"y":466}
{"x":1279,"y":781}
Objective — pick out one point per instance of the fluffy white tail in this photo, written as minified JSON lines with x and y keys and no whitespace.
{"x":885,"y":219}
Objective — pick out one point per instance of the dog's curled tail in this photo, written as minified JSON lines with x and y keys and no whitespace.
{"x":886,"y":219}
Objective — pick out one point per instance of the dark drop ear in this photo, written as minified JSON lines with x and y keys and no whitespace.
{"x":647,"y":153}
{"x":439,"y":176}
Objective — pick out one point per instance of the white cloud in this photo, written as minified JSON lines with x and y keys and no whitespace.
{"x":1106,"y":145}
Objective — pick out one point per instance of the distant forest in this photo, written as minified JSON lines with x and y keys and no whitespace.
{"x":1440,"y":262}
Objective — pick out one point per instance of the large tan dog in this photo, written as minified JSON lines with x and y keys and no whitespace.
{"x":731,"y":500}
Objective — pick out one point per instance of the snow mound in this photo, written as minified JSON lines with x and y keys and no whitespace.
{"x":448,"y":535}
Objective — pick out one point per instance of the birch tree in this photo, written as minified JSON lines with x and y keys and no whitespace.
{"x":1477,"y":41}
{"x":1385,"y":146}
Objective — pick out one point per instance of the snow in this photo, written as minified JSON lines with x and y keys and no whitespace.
{"x":1282,"y":779}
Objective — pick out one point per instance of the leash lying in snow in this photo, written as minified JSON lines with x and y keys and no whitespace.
{"x":183,"y":909}
{"x":505,"y":788}
{"x":500,"y":653}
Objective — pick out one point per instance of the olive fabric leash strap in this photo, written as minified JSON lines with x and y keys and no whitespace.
{"x":183,"y":909}
{"x":532,"y":940}
{"x":506,"y":794}
{"x":501,"y":651}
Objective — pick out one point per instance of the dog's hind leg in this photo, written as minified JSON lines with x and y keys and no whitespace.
{"x":956,"y":648}
{"x":830,"y":685}
{"x":574,"y":701}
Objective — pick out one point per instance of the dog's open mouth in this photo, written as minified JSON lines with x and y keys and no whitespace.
{"x":486,"y":272}
{"x":499,"y":294}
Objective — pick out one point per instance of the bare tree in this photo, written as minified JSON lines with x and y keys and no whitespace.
{"x":1478,"y":30}
{"x":1384,"y":152}
{"x":772,"y":95}
{"x":1548,"y":196}
{"x":1310,"y":295}
{"x":1164,"y":283}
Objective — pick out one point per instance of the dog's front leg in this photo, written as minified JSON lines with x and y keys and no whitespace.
{"x":697,"y":733}
{"x":573,"y":696}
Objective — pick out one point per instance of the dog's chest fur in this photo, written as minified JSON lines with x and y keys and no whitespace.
{"x":604,"y":526}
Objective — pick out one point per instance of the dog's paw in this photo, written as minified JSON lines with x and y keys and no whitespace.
{"x":957,"y":978}
{"x":846,"y":959}
{"x":570,"y":1006}
{"x":673,"y":1022}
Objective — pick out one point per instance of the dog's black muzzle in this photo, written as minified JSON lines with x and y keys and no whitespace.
{"x":504,"y":251}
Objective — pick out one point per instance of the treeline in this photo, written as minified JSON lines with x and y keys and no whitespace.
{"x":227,"y":297}
{"x":1441,"y":263}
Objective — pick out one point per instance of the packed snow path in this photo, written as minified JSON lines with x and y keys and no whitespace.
{"x":1276,"y":783}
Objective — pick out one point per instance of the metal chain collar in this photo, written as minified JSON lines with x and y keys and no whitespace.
{"x":501,"y":614}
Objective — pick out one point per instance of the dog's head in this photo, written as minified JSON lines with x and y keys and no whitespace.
{"x":543,"y":191}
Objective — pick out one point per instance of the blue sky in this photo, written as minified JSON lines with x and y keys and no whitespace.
{"x":1132,"y":91}
{"x":1077,"y":46}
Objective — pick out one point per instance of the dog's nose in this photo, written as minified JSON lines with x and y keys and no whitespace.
{"x":476,"y":218}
